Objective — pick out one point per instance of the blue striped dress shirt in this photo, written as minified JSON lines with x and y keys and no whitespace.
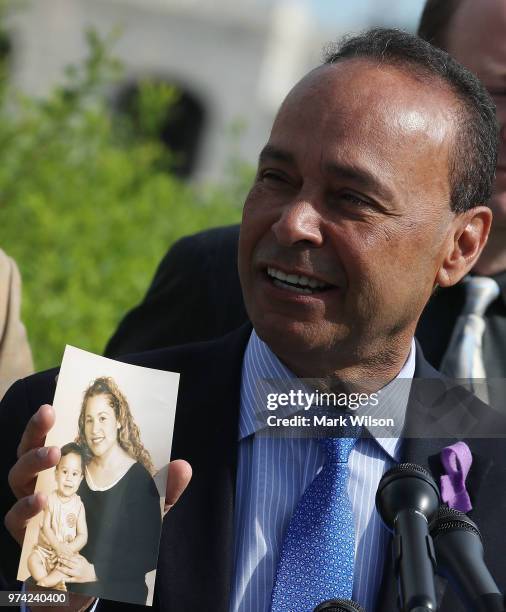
{"x":272,"y":475}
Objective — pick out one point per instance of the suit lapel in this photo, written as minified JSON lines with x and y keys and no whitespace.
{"x":196,"y":552}
{"x":425,"y":403}
{"x":447,"y":412}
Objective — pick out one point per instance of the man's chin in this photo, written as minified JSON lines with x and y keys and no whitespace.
{"x":288,"y":338}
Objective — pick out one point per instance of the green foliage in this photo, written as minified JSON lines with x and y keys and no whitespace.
{"x":86,"y":214}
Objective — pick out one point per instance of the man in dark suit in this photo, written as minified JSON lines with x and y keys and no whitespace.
{"x":356,"y":212}
{"x":186,"y":303}
{"x":474,"y":32}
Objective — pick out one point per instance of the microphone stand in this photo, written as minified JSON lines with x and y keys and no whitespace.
{"x":414,"y":528}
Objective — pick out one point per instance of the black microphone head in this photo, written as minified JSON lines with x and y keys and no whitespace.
{"x":406,"y":486}
{"x":461,"y":559}
{"x":448,"y":519}
{"x":339,"y":605}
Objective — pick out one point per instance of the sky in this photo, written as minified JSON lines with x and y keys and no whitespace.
{"x":349,"y":14}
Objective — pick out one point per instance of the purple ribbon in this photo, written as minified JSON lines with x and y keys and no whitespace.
{"x":456,"y":460}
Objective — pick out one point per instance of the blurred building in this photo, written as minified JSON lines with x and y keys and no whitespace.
{"x":233,"y":62}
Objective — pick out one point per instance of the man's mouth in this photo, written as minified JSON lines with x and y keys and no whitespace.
{"x":296,"y":282}
{"x":96,"y":440}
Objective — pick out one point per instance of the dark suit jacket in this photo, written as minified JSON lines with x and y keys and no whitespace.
{"x":194,"y":296}
{"x":196,"y":554}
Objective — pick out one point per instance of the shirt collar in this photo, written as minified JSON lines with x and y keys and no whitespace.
{"x":261,"y":363}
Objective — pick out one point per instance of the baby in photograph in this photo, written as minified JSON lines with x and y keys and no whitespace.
{"x":63,"y":530}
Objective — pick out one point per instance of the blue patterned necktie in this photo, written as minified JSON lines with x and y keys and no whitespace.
{"x":317,"y":557}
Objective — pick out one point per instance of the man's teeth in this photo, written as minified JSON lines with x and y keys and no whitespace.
{"x":294,"y":282}
{"x":283,"y":285}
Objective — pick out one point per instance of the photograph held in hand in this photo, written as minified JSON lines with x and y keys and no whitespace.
{"x":100,"y":530}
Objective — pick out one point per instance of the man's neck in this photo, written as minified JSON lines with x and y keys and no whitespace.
{"x":493,"y":259}
{"x":368,"y":373}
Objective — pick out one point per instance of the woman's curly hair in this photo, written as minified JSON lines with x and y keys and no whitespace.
{"x":128,"y":434}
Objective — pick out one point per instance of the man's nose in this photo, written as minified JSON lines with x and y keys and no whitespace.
{"x":299,"y":222}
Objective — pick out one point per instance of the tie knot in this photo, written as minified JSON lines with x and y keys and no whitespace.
{"x":481,"y":291}
{"x":338,"y":449}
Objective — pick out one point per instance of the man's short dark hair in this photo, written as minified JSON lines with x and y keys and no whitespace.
{"x":473,"y":156}
{"x":435,"y":21}
{"x":72,"y":447}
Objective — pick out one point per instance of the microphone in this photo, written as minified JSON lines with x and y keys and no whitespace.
{"x":339,"y":605}
{"x":407,"y":498}
{"x":460,"y":559}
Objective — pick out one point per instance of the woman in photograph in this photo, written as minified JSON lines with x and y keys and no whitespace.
{"x":120,"y":497}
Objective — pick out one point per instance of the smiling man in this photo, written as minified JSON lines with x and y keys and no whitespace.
{"x":183,"y":303}
{"x":351,"y":190}
{"x":370,"y":191}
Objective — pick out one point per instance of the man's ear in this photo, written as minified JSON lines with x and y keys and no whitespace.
{"x":468,"y":237}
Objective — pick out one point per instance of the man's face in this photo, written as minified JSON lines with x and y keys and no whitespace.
{"x":344,"y":229}
{"x":477,"y":39}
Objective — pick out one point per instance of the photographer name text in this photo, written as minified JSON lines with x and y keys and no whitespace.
{"x":326,"y":421}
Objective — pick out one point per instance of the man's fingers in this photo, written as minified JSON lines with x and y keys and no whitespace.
{"x":36,"y":429}
{"x":24,"y":472}
{"x":180,"y":473}
{"x":22,"y":511}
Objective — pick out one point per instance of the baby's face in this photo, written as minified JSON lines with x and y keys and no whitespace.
{"x":68,"y":474}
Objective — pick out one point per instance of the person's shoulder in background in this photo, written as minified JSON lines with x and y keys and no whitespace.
{"x":15,"y":355}
{"x":194,"y":296}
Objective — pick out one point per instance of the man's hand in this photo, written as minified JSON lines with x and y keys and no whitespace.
{"x":178,"y":477}
{"x":33,"y":458}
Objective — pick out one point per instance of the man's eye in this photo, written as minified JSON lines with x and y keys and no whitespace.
{"x":271,"y":175}
{"x":351,"y":203}
{"x":355,"y":199}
